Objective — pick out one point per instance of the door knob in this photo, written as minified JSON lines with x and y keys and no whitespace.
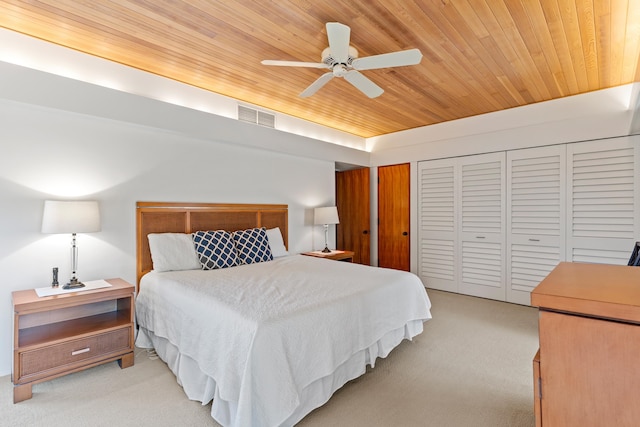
{"x":365,"y":232}
{"x":404,"y":233}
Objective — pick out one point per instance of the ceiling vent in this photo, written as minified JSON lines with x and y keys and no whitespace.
{"x":251,"y":115}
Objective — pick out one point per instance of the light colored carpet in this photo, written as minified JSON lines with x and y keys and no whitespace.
{"x":470,"y":367}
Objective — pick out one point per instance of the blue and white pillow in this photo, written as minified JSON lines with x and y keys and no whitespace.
{"x":215,"y":249}
{"x":252,"y":245}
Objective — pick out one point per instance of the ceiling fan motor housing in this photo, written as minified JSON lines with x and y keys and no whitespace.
{"x":328,"y":59}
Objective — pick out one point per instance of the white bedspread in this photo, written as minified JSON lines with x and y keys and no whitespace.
{"x":263,"y":332}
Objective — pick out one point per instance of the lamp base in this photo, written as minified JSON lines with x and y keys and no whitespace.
{"x":326,"y":250}
{"x":73,"y":284}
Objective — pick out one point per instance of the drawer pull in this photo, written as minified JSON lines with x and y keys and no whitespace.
{"x":77,"y":352}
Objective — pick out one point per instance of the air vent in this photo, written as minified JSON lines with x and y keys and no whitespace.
{"x":251,"y":115}
{"x":266,"y":119}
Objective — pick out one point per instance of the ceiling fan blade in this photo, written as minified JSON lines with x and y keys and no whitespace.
{"x":294,"y":63}
{"x":315,"y":86}
{"x":339,"y":35}
{"x":364,"y":84}
{"x":394,"y":59}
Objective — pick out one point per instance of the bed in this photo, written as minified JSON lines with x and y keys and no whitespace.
{"x":267,"y":341}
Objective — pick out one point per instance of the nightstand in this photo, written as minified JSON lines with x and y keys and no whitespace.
{"x":333,"y":255}
{"x":60,"y":334}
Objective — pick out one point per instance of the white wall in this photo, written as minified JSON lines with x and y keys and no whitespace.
{"x":36,"y":54}
{"x":595,"y":115}
{"x":52,"y":154}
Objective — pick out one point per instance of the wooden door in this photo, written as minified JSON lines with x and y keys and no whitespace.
{"x":393,"y":217}
{"x":352,"y":200}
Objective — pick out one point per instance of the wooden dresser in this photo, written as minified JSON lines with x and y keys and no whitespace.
{"x":58,"y":335}
{"x":587,"y":371}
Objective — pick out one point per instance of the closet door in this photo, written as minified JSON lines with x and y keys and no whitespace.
{"x":437,"y":226}
{"x":536,"y":217}
{"x":602,"y":201}
{"x":481,"y":217}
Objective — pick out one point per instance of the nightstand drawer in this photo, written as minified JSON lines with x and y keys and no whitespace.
{"x":42,"y":360}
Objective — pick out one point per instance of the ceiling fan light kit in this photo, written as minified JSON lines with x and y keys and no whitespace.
{"x":342,"y":59}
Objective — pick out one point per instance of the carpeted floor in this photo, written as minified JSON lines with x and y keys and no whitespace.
{"x":470,"y":367}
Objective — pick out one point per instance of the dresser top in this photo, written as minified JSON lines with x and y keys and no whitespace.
{"x":599,"y":290}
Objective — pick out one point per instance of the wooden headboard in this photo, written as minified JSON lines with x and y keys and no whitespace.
{"x":163,"y":217}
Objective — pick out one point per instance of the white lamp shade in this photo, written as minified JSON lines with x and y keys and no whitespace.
{"x":70,"y":217}
{"x":328,"y":215}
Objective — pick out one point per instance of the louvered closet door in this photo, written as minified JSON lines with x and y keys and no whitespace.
{"x":482,"y":225}
{"x":437,"y":231}
{"x":536,"y":217}
{"x":602,"y":201}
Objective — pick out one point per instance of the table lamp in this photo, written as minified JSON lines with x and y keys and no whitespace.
{"x":326,"y":216}
{"x":71,"y":217}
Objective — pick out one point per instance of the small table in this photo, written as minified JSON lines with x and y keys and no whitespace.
{"x":60,"y":334}
{"x":333,"y":255}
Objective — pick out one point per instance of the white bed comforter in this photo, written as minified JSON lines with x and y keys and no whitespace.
{"x":264,"y":332}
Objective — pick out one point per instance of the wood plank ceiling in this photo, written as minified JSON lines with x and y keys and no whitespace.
{"x":479,"y":55}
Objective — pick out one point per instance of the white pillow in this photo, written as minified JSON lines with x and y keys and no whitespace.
{"x":276,"y":243}
{"x":173,"y":251}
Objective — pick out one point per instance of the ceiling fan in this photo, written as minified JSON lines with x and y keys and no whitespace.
{"x":342,"y":59}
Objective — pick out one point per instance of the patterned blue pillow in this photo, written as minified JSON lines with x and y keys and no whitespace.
{"x":252,"y":245}
{"x":215,"y":249}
